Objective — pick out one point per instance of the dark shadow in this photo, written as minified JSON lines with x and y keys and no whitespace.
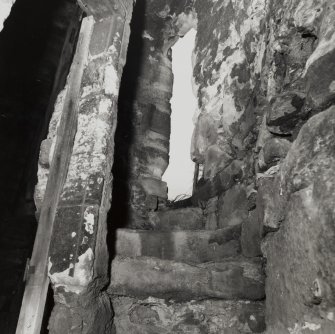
{"x":49,"y":305}
{"x":124,"y":136}
{"x":31,"y":46}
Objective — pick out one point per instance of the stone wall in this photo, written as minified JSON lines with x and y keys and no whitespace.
{"x":264,"y":71}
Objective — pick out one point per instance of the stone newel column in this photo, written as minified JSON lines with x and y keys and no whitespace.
{"x":78,"y":257}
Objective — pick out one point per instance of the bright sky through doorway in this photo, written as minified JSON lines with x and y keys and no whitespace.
{"x":179,"y":174}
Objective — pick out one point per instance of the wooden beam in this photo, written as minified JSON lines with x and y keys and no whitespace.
{"x":34,"y":298}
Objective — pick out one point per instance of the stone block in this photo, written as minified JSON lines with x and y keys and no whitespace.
{"x":231,"y":279}
{"x":220,"y":183}
{"x":179,"y":219}
{"x":320,"y":81}
{"x":182,"y":246}
{"x":211,"y":214}
{"x":154,"y":187}
{"x":216,"y":159}
{"x":156,"y":316}
{"x":251,"y":235}
{"x":300,"y":256}
{"x":74,"y":238}
{"x":233,"y":207}
{"x":156,"y":121}
{"x":103,"y":35}
{"x":275,"y":149}
{"x":285,"y":112}
{"x":270,"y":203}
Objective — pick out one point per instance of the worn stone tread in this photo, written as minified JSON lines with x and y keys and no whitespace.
{"x":144,"y":276}
{"x":156,"y":316}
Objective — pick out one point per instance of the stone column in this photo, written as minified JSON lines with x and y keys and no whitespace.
{"x":150,"y":108}
{"x":78,"y":257}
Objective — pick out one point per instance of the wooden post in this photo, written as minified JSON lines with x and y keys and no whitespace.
{"x":34,"y":298}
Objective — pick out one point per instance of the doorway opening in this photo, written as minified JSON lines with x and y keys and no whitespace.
{"x":180,"y":172}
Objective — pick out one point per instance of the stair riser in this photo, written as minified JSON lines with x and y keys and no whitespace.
{"x":182,"y":246}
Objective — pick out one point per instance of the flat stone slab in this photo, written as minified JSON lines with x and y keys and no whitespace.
{"x":179,"y":219}
{"x":183,"y":246}
{"x":155,"y":316}
{"x":231,"y":279}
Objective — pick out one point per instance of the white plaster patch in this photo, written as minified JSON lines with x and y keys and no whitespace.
{"x":185,"y":22}
{"x":332,"y":87}
{"x":147,"y":36}
{"x":330,"y":316}
{"x":152,"y":59}
{"x":311,"y":326}
{"x":85,"y":240}
{"x":89,"y":222}
{"x":112,"y":49}
{"x":82,"y":276}
{"x":111,"y":80}
{"x":297,"y":329}
{"x":73,"y":234}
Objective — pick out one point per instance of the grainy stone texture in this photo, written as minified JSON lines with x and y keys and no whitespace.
{"x":301,"y":281}
{"x":145,"y":109}
{"x":262,"y":70}
{"x":145,"y":276}
{"x":156,"y":316}
{"x":182,"y":246}
{"x":228,"y":57}
{"x":78,"y":256}
{"x":178,"y":219}
{"x":264,"y":78}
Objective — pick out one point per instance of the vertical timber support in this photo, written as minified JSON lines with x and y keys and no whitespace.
{"x":70,"y":248}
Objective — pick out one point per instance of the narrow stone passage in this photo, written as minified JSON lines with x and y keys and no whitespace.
{"x":85,"y":138}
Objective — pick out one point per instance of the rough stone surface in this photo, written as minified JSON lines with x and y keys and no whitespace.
{"x":231,"y":279}
{"x":270,"y":203}
{"x":264,"y":77}
{"x":285,"y":112}
{"x":233,"y":207}
{"x":155,"y":316}
{"x":228,"y":58}
{"x":181,"y":246}
{"x":178,"y":219}
{"x":275,"y":149}
{"x":300,"y":285}
{"x":144,"y":105}
{"x":251,"y":235}
{"x":78,"y":255}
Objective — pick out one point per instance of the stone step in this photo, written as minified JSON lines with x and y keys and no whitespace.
{"x":237,"y":278}
{"x":178,"y":219}
{"x":183,"y":246}
{"x":156,"y":316}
